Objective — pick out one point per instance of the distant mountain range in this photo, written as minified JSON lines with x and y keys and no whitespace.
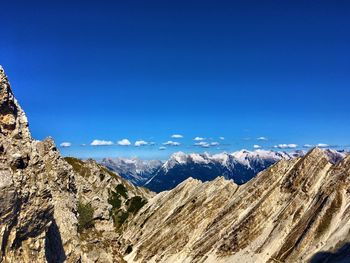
{"x":135,"y":170}
{"x":240,"y":166}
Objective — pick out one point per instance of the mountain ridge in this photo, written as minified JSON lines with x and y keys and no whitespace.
{"x":241,"y":166}
{"x":273,"y":217}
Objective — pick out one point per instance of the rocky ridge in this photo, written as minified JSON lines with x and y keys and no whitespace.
{"x":287,"y":213}
{"x":240,"y":166}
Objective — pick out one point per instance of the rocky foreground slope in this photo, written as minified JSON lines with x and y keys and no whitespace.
{"x":288,"y":213}
{"x":55,"y":209}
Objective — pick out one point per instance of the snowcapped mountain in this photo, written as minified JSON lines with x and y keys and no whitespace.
{"x":335,"y":156}
{"x":240,"y":166}
{"x":135,"y":170}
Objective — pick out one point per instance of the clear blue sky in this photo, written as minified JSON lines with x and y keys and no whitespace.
{"x":109,"y":70}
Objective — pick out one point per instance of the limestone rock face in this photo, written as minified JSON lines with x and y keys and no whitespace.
{"x":37,"y":192}
{"x":45,"y":199}
{"x":290,"y":212}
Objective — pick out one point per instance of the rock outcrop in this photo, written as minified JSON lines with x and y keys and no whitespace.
{"x":46,"y":201}
{"x":37,"y":192}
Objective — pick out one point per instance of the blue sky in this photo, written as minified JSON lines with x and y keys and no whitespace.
{"x":145,"y":70}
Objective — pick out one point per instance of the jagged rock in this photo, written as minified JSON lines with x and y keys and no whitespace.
{"x":37,"y":192}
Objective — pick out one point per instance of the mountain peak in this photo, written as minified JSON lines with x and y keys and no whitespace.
{"x":2,"y":72}
{"x":12,"y":119}
{"x":316,"y":152}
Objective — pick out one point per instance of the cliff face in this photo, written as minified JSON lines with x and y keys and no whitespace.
{"x":36,"y":190}
{"x":288,"y":213}
{"x":52,"y":209}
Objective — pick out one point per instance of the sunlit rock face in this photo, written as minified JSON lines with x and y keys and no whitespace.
{"x":290,"y":212}
{"x":37,"y":193}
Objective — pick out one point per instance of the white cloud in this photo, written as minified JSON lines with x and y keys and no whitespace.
{"x":202,"y":144}
{"x":162,"y":148}
{"x":222,"y":138}
{"x":124,"y":142}
{"x":322,"y":145}
{"x":256,"y":146}
{"x":199,"y":139}
{"x":308,"y":146}
{"x":262,"y":138}
{"x":286,"y":146}
{"x":101,"y":143}
{"x":206,"y":144}
{"x":177,"y":136}
{"x":171,"y":143}
{"x":65,"y":144}
{"x":140,"y":143}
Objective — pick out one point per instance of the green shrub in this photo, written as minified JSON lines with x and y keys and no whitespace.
{"x":112,"y":174}
{"x":114,"y":200}
{"x":85,"y":216}
{"x":135,"y":203}
{"x":120,"y":189}
{"x":78,"y":166}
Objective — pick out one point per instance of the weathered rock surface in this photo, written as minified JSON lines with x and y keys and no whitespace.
{"x":37,"y":192}
{"x":288,"y":213}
